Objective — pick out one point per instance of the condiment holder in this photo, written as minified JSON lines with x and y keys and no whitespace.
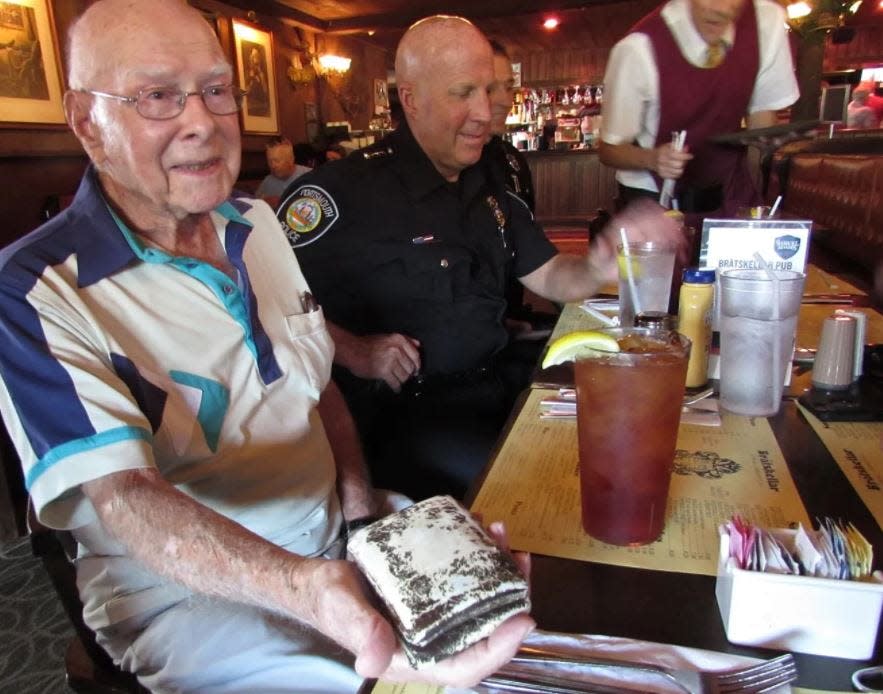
{"x":822,"y":616}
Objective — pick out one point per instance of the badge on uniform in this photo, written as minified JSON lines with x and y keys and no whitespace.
{"x":498,"y":216}
{"x":495,"y":208}
{"x":307,"y":214}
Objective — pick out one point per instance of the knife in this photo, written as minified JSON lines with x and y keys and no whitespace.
{"x":842,"y":298}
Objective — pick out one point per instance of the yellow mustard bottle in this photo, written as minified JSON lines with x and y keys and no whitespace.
{"x":695,"y":302}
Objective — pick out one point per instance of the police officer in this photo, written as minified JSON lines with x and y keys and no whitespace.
{"x":408,"y":246}
{"x":512,"y":165}
{"x":507,"y":157}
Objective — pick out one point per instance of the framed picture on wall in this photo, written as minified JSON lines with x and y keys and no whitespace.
{"x":30,"y":73}
{"x":257,"y":78}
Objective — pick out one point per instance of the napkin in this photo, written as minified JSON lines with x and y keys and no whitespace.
{"x":610,"y":647}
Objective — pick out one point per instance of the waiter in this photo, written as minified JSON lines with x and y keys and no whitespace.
{"x":699,"y":66}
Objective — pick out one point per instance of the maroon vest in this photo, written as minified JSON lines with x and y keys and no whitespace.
{"x":707,"y":102}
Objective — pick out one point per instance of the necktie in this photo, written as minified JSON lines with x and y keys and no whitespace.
{"x":715,"y":53}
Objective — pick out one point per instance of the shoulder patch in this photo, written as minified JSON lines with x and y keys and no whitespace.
{"x":307,"y":214}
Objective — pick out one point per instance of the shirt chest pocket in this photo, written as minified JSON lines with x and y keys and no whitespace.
{"x":432,"y":271}
{"x":312,"y":350}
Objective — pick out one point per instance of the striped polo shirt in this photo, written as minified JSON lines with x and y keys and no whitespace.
{"x":117,"y":356}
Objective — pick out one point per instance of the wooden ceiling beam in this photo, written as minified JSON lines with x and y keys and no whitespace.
{"x":473,"y":9}
{"x":272,"y":8}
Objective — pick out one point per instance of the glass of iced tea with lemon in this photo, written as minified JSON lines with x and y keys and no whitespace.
{"x":629,"y":392}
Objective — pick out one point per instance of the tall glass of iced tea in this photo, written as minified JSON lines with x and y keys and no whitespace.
{"x":628,"y":408}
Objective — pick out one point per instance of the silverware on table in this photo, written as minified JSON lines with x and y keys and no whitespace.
{"x":546,"y":684}
{"x":753,"y":679}
{"x":836,"y":298}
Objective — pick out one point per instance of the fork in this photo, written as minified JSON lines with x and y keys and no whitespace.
{"x":753,"y":679}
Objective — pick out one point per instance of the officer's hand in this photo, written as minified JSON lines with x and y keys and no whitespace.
{"x":391,"y":358}
{"x":643,"y":220}
{"x":668,"y":162}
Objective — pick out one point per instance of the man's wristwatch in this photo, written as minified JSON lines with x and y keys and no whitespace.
{"x":350,"y":526}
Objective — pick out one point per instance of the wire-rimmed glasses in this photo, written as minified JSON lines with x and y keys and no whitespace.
{"x":163,"y":103}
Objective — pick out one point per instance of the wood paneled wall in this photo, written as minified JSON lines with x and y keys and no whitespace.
{"x":571,"y":184}
{"x":865,"y":50}
{"x":605,"y":25}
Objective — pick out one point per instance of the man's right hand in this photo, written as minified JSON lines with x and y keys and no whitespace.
{"x":669,"y":162}
{"x":392,"y":358}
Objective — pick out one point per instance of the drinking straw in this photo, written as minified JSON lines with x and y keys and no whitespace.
{"x":777,"y":352}
{"x":668,"y":185}
{"x":633,"y":290}
{"x":597,"y":315}
{"x":775,"y":207}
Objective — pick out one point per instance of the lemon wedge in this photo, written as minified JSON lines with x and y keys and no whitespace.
{"x":579,"y":344}
{"x":628,"y":262}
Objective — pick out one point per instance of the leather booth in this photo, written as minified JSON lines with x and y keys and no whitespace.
{"x":838,"y":184}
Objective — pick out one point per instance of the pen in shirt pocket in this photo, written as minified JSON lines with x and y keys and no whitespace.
{"x":428,"y":238}
{"x":309,"y":303}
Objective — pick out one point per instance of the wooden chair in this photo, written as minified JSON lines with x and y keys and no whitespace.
{"x":89,"y":669}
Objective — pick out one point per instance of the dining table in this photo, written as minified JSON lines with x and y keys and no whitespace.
{"x":665,"y":592}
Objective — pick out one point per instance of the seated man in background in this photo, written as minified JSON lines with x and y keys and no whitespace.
{"x":409,"y":246}
{"x":166,"y":382}
{"x":283,"y":170}
{"x":859,"y":113}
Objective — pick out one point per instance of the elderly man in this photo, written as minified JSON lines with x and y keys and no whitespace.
{"x":283,"y":170}
{"x":164,"y":378}
{"x":699,"y":66}
{"x":409,"y":245}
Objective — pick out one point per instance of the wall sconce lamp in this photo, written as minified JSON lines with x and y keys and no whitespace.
{"x":333,"y":64}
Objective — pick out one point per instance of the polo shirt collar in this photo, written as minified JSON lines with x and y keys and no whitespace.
{"x":105,"y":244}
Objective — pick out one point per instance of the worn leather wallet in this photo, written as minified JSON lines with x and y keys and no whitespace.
{"x":443,"y":581}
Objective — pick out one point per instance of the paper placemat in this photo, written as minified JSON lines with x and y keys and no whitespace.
{"x":738,"y":468}
{"x":857,"y":447}
{"x":408,"y":688}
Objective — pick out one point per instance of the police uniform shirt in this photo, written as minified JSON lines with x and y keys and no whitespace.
{"x":388,"y":245}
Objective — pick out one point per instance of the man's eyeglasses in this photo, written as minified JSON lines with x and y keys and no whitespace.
{"x":163,"y":103}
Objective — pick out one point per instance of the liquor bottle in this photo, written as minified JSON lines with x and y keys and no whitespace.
{"x":694,"y":321}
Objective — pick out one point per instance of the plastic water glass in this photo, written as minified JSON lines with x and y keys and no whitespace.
{"x":757,"y":338}
{"x":645,"y":275}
